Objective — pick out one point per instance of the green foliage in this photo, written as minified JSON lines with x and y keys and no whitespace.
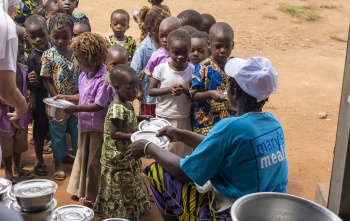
{"x":312,"y":17}
{"x":328,"y":6}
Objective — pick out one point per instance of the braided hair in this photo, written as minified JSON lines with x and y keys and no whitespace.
{"x":61,"y":20}
{"x":91,"y":46}
{"x":251,"y":103}
{"x":81,"y":18}
{"x":152,"y":17}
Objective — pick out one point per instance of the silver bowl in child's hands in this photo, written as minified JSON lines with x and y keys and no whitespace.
{"x":55,"y":108}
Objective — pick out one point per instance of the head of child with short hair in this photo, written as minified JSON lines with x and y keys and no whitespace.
{"x":38,"y":35}
{"x":50,"y":9}
{"x":81,"y":24}
{"x":221,"y":42}
{"x":151,"y":18}
{"x":189,"y":29}
{"x":61,"y":32}
{"x":158,"y":4}
{"x":208,"y":21}
{"x":166,"y":26}
{"x":179,"y":46}
{"x":85,"y":47}
{"x":119,"y":24}
{"x":199,"y":47}
{"x":116,"y":55}
{"x":124,"y":80}
{"x":67,"y":6}
{"x":40,"y":10}
{"x":191,"y":17}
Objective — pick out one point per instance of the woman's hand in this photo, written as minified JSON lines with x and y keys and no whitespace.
{"x":217,"y":96}
{"x":136,"y":149}
{"x":169,"y":131}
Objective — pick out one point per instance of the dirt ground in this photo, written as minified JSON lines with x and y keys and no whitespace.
{"x":308,"y":55}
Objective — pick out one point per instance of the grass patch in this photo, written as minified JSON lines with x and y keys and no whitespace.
{"x":328,"y":6}
{"x":270,"y":16}
{"x":304,"y":12}
{"x":312,"y":17}
{"x":292,"y":10}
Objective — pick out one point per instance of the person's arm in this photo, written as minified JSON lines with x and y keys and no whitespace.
{"x":116,"y":130}
{"x":189,"y":138}
{"x":213,"y":94}
{"x":154,"y":91}
{"x":11,"y":95}
{"x":49,"y":87}
{"x":71,"y":98}
{"x":82,"y":108}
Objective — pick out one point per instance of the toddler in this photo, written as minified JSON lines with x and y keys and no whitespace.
{"x":93,"y":99}
{"x":162,"y":55}
{"x":199,"y":47}
{"x":59,"y":72}
{"x":116,"y":54}
{"x":39,"y":37}
{"x":210,"y":81}
{"x":50,"y":9}
{"x":192,"y":18}
{"x":208,"y":21}
{"x":14,"y":134}
{"x":121,"y":193}
{"x":152,"y":17}
{"x":170,"y":82}
{"x":119,"y":24}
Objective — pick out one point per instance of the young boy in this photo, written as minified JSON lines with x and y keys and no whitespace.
{"x":199,"y":47}
{"x":38,"y":35}
{"x":120,"y":20}
{"x":210,"y":81}
{"x":170,"y":82}
{"x":208,"y":21}
{"x":67,"y":6}
{"x":50,"y":9}
{"x":14,"y":134}
{"x":191,"y":17}
{"x":162,"y":55}
{"x":116,"y":55}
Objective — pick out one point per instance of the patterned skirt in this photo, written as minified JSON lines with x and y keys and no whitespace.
{"x":121,"y":194}
{"x":174,"y":198}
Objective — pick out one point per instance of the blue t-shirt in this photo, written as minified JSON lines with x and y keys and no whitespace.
{"x":241,"y":155}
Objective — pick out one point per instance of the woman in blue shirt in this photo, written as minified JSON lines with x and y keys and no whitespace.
{"x":240,"y":155}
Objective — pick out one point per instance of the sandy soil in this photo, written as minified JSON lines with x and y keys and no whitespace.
{"x":308,"y":55}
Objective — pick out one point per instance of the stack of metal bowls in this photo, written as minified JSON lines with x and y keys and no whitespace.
{"x":115,"y":219}
{"x":33,"y":199}
{"x":73,"y":212}
{"x":5,"y":187}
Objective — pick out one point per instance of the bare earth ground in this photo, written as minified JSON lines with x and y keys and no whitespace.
{"x":309,"y":57}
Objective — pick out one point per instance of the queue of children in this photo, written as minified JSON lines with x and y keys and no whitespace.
{"x":179,"y":64}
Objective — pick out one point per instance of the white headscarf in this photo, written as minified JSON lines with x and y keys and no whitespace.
{"x":7,"y":25}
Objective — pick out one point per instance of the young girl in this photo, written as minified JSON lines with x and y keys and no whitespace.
{"x":59,"y":72}
{"x":119,"y":24}
{"x":138,"y":16}
{"x":81,"y":24}
{"x":121,"y":193}
{"x":151,"y":17}
{"x":93,"y":99}
{"x":170,"y":82}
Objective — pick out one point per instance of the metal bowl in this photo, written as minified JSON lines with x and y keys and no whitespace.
{"x":150,"y":135}
{"x":154,"y":124}
{"x":34,"y":195}
{"x":5,"y":187}
{"x":37,"y":216}
{"x":72,"y":212}
{"x":115,"y":219}
{"x":278,"y":206}
{"x":54,"y":108}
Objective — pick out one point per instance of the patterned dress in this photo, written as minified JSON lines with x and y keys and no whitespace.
{"x":129,"y":44}
{"x":208,"y":76}
{"x":28,"y":10}
{"x":120,"y":194}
